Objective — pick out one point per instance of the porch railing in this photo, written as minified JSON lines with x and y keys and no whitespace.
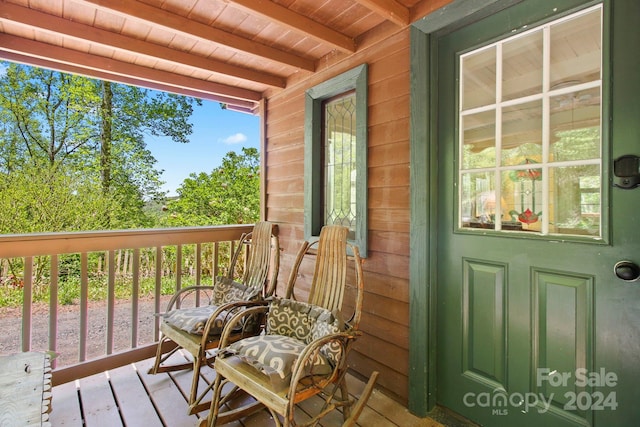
{"x":99,"y":254}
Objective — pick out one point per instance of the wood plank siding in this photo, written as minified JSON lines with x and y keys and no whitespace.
{"x":385,"y":319}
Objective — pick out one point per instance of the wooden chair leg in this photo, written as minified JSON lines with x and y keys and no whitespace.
{"x":162,"y":357}
{"x":195,"y":380}
{"x":156,"y":362}
{"x":344,"y":395}
{"x":196,"y":403}
{"x":215,"y":402}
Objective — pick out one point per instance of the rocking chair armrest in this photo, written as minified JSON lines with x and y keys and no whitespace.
{"x":182,"y":293}
{"x":252,"y":308}
{"x":344,"y":339}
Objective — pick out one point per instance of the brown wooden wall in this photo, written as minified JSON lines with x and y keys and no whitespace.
{"x":385,"y":344}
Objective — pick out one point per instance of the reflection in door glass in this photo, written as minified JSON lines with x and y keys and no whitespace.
{"x":575,"y":125}
{"x":522,"y":133}
{"x":479,"y":82}
{"x":522,"y":66}
{"x":530,"y":130}
{"x":574,"y":205}
{"x":479,"y":133}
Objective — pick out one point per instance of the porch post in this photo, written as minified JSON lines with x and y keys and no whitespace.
{"x":421,"y":316}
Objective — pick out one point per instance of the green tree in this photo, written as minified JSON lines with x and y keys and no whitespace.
{"x":45,"y":199}
{"x":49,"y":112}
{"x":230,"y":194}
{"x":95,"y":129}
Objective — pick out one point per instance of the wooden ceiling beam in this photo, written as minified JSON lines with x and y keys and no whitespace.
{"x":244,"y":106}
{"x":390,"y":10}
{"x":87,"y":61}
{"x":189,"y":27}
{"x":56,"y":25}
{"x":299,"y":23}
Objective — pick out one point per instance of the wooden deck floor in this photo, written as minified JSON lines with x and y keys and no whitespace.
{"x":128,"y":396}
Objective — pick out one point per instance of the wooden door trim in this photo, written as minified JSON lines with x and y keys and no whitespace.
{"x":423,"y":186}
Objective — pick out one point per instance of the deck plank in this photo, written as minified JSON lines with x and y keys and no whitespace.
{"x":166,"y":397}
{"x":65,"y":409}
{"x":99,"y":406}
{"x":380,"y":405}
{"x":183,"y":378}
{"x":165,"y":403}
{"x":311,"y":407}
{"x":130,"y":395}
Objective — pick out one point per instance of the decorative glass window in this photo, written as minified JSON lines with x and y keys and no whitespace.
{"x":336,"y":156}
{"x":530,"y":130}
{"x":339,"y":161}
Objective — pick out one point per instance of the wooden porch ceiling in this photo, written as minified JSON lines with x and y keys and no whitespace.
{"x":230,"y":51}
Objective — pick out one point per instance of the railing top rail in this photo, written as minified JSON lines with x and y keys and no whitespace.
{"x":38,"y":244}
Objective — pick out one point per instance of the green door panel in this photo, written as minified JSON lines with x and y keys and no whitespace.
{"x":535,"y":330}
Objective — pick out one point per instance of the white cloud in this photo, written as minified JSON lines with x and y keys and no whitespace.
{"x":236,"y":138}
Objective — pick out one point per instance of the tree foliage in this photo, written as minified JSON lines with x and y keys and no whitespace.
{"x":48,"y":112}
{"x":59,"y":128}
{"x":73,"y":158}
{"x":230,"y":194}
{"x":44,"y":199}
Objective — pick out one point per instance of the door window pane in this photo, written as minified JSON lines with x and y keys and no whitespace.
{"x":522,"y":133}
{"x":538,"y":132}
{"x":522,"y":66}
{"x":576,"y":50}
{"x":478,"y":199}
{"x":574,"y":204}
{"x":522,"y":195}
{"x":575,"y":126}
{"x":479,"y":140}
{"x":479,"y":79}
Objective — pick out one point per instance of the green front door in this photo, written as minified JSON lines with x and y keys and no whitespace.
{"x":536,"y":326}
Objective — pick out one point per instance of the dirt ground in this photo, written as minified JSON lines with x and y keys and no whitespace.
{"x":69,"y":327}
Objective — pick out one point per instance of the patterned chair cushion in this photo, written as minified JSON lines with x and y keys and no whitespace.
{"x":193,"y":320}
{"x":227,"y":290}
{"x":291,"y":326}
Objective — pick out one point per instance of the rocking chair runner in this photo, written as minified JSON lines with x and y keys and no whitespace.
{"x":304,"y":349}
{"x":197,"y":329}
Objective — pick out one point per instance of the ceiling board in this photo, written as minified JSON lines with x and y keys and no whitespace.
{"x":230,"y":50}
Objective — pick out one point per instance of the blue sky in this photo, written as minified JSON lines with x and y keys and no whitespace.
{"x":215,"y":133}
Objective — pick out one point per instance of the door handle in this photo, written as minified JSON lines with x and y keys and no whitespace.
{"x":627,"y":271}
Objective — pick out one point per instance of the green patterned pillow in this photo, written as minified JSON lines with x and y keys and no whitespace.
{"x":291,"y":326}
{"x":306,"y":322}
{"x":274,"y":356}
{"x":227,"y":290}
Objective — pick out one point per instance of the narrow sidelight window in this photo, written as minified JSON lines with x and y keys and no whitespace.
{"x":335,"y":157}
{"x":339,"y":162}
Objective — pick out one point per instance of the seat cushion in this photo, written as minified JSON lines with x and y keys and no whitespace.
{"x":291,"y":326}
{"x":274,"y":356}
{"x":193,"y":320}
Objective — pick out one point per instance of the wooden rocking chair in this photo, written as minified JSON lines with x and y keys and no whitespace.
{"x":303,"y":350}
{"x":197,"y":329}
